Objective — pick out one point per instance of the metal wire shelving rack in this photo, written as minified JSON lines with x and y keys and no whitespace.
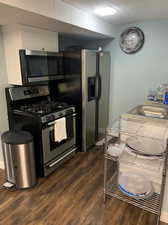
{"x":152,"y":204}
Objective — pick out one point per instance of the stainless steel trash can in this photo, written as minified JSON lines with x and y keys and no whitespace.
{"x":18,"y":152}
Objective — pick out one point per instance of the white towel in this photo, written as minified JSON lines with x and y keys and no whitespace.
{"x":155,"y":130}
{"x":60,"y":132}
{"x":151,"y":128}
{"x":151,"y":168}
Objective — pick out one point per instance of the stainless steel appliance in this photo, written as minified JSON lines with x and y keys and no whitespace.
{"x":40,"y":66}
{"x":18,"y":152}
{"x":31,"y":109}
{"x":86,"y":85}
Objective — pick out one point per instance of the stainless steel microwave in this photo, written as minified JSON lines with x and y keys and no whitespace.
{"x":39,"y":66}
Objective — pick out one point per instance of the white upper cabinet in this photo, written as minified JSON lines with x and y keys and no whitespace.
{"x":37,"y":39}
{"x":18,"y":37}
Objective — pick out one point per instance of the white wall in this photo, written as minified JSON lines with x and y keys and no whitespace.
{"x":133,"y":75}
{"x":3,"y":84}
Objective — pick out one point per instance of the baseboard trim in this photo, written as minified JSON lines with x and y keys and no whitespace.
{"x":164,"y":217}
{"x":2,"y":165}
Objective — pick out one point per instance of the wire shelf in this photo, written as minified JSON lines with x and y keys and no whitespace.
{"x":108,"y":156}
{"x":150,"y":204}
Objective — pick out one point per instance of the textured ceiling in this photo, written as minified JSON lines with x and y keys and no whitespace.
{"x":128,"y":11}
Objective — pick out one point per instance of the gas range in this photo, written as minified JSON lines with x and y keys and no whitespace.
{"x":47,"y":110}
{"x":31,"y":109}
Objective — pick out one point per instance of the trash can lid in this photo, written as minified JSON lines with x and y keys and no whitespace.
{"x":16,"y":137}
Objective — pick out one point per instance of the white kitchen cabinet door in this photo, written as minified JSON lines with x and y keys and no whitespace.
{"x":38,"y":39}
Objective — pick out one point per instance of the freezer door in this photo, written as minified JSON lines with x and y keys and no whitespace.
{"x":103,"y":101}
{"x":88,"y":98}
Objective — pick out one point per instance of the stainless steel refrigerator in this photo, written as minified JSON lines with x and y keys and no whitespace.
{"x":86,"y":85}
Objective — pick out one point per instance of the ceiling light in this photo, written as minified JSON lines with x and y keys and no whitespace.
{"x":106,"y":11}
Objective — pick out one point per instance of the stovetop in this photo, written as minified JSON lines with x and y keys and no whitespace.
{"x":44,"y":107}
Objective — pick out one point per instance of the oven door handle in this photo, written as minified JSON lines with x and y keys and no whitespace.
{"x":57,"y":161}
{"x":52,"y":123}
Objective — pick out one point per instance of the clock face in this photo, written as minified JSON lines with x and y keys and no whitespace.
{"x":131,"y":40}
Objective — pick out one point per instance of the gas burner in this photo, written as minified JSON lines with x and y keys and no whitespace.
{"x":44,"y":107}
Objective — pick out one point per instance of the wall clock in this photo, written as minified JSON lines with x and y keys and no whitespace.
{"x":131,"y":40}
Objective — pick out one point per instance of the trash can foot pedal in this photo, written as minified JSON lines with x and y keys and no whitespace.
{"x":8,"y":185}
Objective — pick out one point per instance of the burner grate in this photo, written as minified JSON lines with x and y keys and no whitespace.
{"x":44,"y":107}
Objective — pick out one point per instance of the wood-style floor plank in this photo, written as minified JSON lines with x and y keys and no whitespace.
{"x":73,"y":195}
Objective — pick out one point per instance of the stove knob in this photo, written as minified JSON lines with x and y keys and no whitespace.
{"x":49,"y":118}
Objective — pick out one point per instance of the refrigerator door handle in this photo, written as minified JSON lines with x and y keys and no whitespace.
{"x":99,"y":87}
{"x":96,"y":87}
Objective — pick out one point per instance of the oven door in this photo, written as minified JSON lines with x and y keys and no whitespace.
{"x":38,"y":66}
{"x":52,"y":149}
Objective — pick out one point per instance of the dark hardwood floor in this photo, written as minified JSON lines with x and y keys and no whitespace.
{"x":73,"y":195}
